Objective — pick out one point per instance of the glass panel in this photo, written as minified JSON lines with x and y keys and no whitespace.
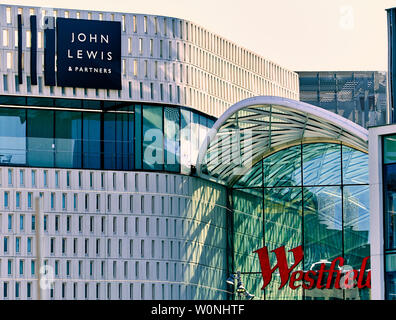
{"x":322,"y":164}
{"x":390,"y":149}
{"x":138,"y":137}
{"x":390,"y":276}
{"x":390,"y":205}
{"x":185,"y":141}
{"x":40,"y":138}
{"x":322,"y":233}
{"x":12,"y":136}
{"x":91,"y":140}
{"x":356,"y":234}
{"x":283,"y":225}
{"x":283,"y":168}
{"x":172,"y":139}
{"x":253,"y":178}
{"x":109,"y":143}
{"x":153,"y":145}
{"x":68,"y":139}
{"x":354,"y":166}
{"x":248,"y":236}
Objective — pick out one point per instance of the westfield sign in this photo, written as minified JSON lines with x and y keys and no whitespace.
{"x":332,"y":278}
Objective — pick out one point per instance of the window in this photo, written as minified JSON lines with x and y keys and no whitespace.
{"x":21,"y":222}
{"x":10,"y":177}
{"x":5,"y":38}
{"x":45,"y":176}
{"x":33,"y":223}
{"x":29,"y":245}
{"x":10,"y":222}
{"x":52,"y":201}
{"x":30,"y":196}
{"x":33,"y":178}
{"x":6,"y":196}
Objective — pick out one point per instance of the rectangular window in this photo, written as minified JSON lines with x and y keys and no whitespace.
{"x":30,"y":196}
{"x":33,"y":178}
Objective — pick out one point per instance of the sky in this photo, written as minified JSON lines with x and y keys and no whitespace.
{"x":301,"y":35}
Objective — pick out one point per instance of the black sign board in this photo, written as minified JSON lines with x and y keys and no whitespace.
{"x":88,"y":53}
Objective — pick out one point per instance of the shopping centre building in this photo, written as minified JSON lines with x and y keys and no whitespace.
{"x":162,"y":156}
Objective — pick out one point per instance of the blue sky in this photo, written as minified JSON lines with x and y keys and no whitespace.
{"x":298,"y":34}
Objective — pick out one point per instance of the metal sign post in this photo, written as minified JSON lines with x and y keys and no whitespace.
{"x":38,"y":246}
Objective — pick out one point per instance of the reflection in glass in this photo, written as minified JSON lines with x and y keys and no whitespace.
{"x":172,"y":138}
{"x":283,"y":168}
{"x":390,"y":274}
{"x":91,"y":140}
{"x":321,"y":164}
{"x":40,"y":141}
{"x":390,"y":205}
{"x":68,"y":139}
{"x":390,"y":149}
{"x":153,"y":144}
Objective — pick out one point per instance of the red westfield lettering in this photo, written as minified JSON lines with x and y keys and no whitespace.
{"x":312,"y":278}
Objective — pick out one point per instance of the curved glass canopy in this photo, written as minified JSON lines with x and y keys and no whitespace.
{"x":258,"y":127}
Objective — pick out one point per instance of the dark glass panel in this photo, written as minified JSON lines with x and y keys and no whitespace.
{"x":42,"y":102}
{"x":92,"y":104}
{"x":12,"y":136}
{"x":390,"y":276}
{"x":138,"y":137}
{"x":109,"y":143}
{"x":390,"y":149}
{"x":40,"y":132}
{"x":68,"y":103}
{"x":153,"y":144}
{"x":11,"y":100}
{"x":91,"y":140}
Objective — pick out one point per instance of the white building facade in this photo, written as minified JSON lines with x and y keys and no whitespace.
{"x":117,"y":226}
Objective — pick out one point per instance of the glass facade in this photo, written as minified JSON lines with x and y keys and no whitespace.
{"x":357,"y":96}
{"x":389,"y":181}
{"x":44,"y":132}
{"x":315,"y":195}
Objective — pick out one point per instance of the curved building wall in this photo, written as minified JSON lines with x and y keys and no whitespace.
{"x":164,"y":60}
{"x":315,"y":195}
{"x":113,"y":235}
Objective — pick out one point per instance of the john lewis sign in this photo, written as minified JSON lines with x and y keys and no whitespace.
{"x":88,"y":53}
